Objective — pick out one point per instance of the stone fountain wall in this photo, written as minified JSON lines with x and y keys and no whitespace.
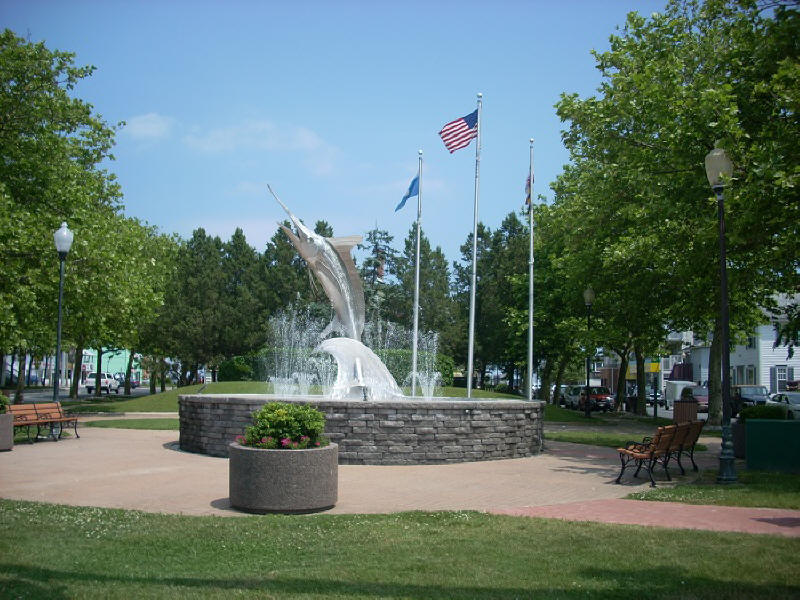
{"x":380,"y":433}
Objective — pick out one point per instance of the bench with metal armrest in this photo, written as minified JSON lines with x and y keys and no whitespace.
{"x":43,"y":414}
{"x":648,"y":453}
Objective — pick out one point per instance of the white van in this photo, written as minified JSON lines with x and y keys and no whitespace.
{"x":673,"y":391}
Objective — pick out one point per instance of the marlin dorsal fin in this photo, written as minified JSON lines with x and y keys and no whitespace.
{"x":345,"y":243}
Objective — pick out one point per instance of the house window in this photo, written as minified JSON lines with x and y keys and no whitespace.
{"x":780,"y":372}
{"x":750,"y":376}
{"x":739,"y":379}
{"x":751,"y":342}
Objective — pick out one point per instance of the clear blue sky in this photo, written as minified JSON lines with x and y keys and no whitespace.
{"x":327,"y":101}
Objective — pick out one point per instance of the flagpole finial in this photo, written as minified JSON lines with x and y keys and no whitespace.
{"x":420,"y":151}
{"x":531,"y":140}
{"x":480,"y":95}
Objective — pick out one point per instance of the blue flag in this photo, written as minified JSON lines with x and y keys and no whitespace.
{"x":413,"y":190}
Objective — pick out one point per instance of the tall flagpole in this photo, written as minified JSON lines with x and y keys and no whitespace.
{"x":471,"y":344}
{"x":530,"y":284}
{"x":416,"y":284}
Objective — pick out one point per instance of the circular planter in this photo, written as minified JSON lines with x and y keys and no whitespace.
{"x":6,"y":431}
{"x":285,"y":481}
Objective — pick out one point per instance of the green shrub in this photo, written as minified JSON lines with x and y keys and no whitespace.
{"x":284,"y":426}
{"x":762,"y":411}
{"x":504,"y":388}
{"x":235,"y":369}
{"x":3,"y":404}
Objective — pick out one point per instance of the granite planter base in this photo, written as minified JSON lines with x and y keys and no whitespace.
{"x":6,"y":431}
{"x":283,"y":481}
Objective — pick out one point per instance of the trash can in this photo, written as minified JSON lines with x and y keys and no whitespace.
{"x":684,"y":410}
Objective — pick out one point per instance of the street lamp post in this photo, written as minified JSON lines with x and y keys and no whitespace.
{"x":588,"y":298}
{"x":63,"y":240}
{"x":719,"y":169}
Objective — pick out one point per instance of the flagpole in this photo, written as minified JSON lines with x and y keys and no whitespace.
{"x":530,"y":280}
{"x":471,"y":345}
{"x":416,"y":284}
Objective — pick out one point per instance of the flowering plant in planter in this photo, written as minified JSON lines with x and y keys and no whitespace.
{"x":282,"y":426}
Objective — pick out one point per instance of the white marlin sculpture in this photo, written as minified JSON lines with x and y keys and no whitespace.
{"x":332,"y":264}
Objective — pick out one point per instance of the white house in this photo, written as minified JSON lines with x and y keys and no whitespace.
{"x":759,"y":362}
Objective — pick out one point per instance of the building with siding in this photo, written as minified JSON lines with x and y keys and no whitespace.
{"x":758,"y":362}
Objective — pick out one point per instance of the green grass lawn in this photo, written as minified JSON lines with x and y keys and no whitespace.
{"x":168,"y":401}
{"x":52,"y":551}
{"x":151,"y":424}
{"x":755,"y":488}
{"x":593,"y":438}
{"x":558,"y":414}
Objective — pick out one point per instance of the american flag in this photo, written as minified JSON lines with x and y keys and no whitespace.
{"x":458,"y":134}
{"x":528,"y":190}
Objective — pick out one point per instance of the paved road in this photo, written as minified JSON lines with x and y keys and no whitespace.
{"x":45,"y":394}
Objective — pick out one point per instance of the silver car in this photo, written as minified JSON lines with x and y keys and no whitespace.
{"x":790,"y":400}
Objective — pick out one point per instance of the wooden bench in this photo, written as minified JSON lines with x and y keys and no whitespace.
{"x":689,"y":442}
{"x":42,"y":414}
{"x":648,"y":453}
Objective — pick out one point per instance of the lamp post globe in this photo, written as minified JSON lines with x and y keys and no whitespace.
{"x":588,"y":298}
{"x":63,"y":241}
{"x":719,"y":169}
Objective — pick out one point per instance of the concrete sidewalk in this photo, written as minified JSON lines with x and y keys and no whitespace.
{"x":145,"y":470}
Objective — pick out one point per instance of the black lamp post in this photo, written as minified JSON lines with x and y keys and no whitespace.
{"x":588,"y":298}
{"x":719,"y":169}
{"x":63,"y":241}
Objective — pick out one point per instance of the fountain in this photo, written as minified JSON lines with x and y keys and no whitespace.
{"x":366,"y":412}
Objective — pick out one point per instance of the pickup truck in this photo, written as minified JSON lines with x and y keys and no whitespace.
{"x":107,"y":383}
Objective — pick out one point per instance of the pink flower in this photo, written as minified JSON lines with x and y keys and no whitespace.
{"x":303,"y":438}
{"x":263,"y":440}
{"x":285,"y":442}
{"x":239,"y":439}
{"x":316,"y":443}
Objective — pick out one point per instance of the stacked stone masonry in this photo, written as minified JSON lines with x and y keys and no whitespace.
{"x":380,"y":433}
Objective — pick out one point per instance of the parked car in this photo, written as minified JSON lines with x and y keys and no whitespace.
{"x":120,"y":377}
{"x":700,"y":394}
{"x":107,"y":383}
{"x":747,"y":395}
{"x":573,"y":396}
{"x":659,"y":398}
{"x":600,"y":398}
{"x":560,"y":394}
{"x":791,"y":400}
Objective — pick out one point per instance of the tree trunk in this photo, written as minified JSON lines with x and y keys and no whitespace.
{"x":154,"y":372}
{"x":128,"y":373}
{"x":11,"y":369}
{"x":545,"y":377}
{"x":76,"y":372}
{"x":562,"y":366}
{"x":623,"y":354}
{"x":2,"y":370}
{"x":19,"y":396}
{"x":641,"y":392}
{"x":547,"y":372}
{"x":97,"y":391}
{"x":715,"y":376}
